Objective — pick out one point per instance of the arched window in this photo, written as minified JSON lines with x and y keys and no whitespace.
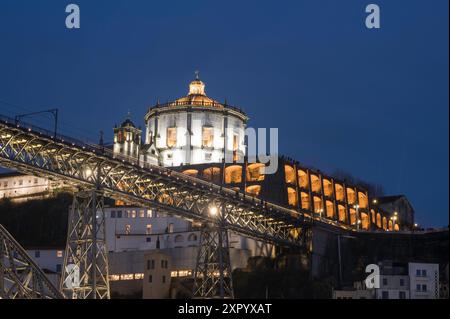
{"x":316,"y":186}
{"x":212,"y":174}
{"x":396,"y":227}
{"x":374,"y":217}
{"x":253,"y":190}
{"x":339,"y":192}
{"x":255,"y":172}
{"x":330,"y":209}
{"x":352,"y":216}
{"x":292,"y":196}
{"x":379,"y":220}
{"x":365,"y":222}
{"x":179,"y":238}
{"x":362,"y":200}
{"x":305,"y":200}
{"x":289,"y":173}
{"x":385,"y":225}
{"x":391,"y":225}
{"x":233,"y":174}
{"x":191,"y":172}
{"x":327,"y":188}
{"x":351,"y":196}
{"x":318,"y":207}
{"x":303,"y":179}
{"x":342,"y":214}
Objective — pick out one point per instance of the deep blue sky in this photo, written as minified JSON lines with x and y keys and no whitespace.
{"x":370,"y":102}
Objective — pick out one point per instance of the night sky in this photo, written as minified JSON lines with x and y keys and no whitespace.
{"x":370,"y":102}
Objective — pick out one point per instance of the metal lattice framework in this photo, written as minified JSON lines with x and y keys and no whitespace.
{"x":212,"y":275}
{"x":35,"y":151}
{"x":20,"y":276}
{"x":85,"y":272}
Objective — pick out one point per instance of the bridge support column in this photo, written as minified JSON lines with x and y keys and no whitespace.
{"x":212,"y":275}
{"x":85,"y":272}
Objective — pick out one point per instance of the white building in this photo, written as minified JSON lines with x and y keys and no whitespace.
{"x":21,"y":187}
{"x":424,"y":280}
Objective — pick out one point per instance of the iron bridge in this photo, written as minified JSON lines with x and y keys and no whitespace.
{"x":33,"y":150}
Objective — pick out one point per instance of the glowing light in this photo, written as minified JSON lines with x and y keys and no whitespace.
{"x":213,"y":211}
{"x":375,"y":201}
{"x":88,"y":172}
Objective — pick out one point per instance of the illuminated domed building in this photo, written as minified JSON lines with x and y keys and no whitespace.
{"x":194,"y":129}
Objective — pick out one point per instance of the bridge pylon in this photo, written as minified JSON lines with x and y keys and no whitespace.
{"x":212,"y":275}
{"x":85,"y":273}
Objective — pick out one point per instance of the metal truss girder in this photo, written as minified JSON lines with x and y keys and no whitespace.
{"x":212,"y":274}
{"x":86,"y":250}
{"x":20,"y":276}
{"x":91,"y":166}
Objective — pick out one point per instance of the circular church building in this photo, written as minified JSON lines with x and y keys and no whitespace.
{"x":194,"y":129}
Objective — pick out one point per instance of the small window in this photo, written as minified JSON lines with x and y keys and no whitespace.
{"x":402,"y":282}
{"x":418,"y":272}
{"x":385,"y":294}
{"x":385,"y":281}
{"x":424,"y":288}
{"x":141,"y":213}
{"x":148,"y":229}
{"x":127,"y":229}
{"x":401,"y":295}
{"x":207,"y":136}
{"x":171,"y":137}
{"x":424,"y":272}
{"x":164,"y":279}
{"x":119,"y":214}
{"x":149,"y":213}
{"x":150,"y":278}
{"x":59,"y":253}
{"x":418,"y":287}
{"x":148,"y":239}
{"x":37,"y":254}
{"x":58,"y":268}
{"x":113,"y":214}
{"x":170,"y":228}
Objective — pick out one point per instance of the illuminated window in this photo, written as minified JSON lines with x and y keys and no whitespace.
{"x":212,"y":174}
{"x":374,"y":217}
{"x":316,"y":186}
{"x":233,"y":174}
{"x":207,"y":136}
{"x":289,"y":173}
{"x":318,"y":205}
{"x":391,"y":225}
{"x":385,"y":225}
{"x":352,"y":216}
{"x":255,"y":172}
{"x":149,"y":213}
{"x":396,"y":227}
{"x":191,"y":172}
{"x":141,"y":213}
{"x":114,"y":277}
{"x":171,"y":137}
{"x":342,"y":214}
{"x":351,"y":197}
{"x":365,"y":222}
{"x":148,"y":229}
{"x":379,"y":220}
{"x":339,"y":192}
{"x":330,"y":209}
{"x":362,"y":200}
{"x":235,"y":147}
{"x":170,"y":228}
{"x":127,"y":229}
{"x":133,"y":214}
{"x":138,"y":276}
{"x":305,"y":200}
{"x":254,"y":189}
{"x":127,"y":277}
{"x":292,"y":196}
{"x":59,"y":253}
{"x":327,"y":188}
{"x":302,"y":179}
